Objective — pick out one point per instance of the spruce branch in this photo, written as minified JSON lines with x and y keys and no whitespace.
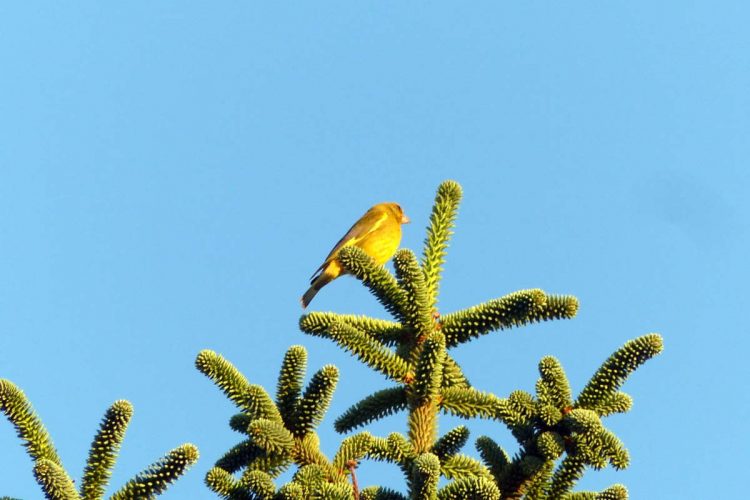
{"x":389,"y":333}
{"x":352,"y":449}
{"x":550,"y":445}
{"x":617,"y":403}
{"x":553,"y":387}
{"x":450,"y":443}
{"x":395,"y":449}
{"x":613,"y":373}
{"x":289,"y":386}
{"x":291,"y":491}
{"x":556,"y":307}
{"x":104,"y":449}
{"x":425,"y":476}
{"x":439,"y":231}
{"x":515,"y":309}
{"x":309,"y":478}
{"x":314,"y":403}
{"x":400,"y":447}
{"x":566,"y":475}
{"x":258,"y":484}
{"x":428,"y":375}
{"x":370,"y":351}
{"x":470,"y":488}
{"x":462,"y":466}
{"x":239,"y":422}
{"x":223,"y":484}
{"x":54,"y":481}
{"x":380,"y":493}
{"x":252,"y":399}
{"x":418,"y":314}
{"x":453,"y":376}
{"x":493,"y":456}
{"x":333,"y":491}
{"x":616,"y":492}
{"x":156,"y":478}
{"x":374,"y":407}
{"x":271,"y":437}
{"x":381,"y":283}
{"x":471,"y":403}
{"x":28,"y":426}
{"x":239,"y":456}
{"x":537,"y":485}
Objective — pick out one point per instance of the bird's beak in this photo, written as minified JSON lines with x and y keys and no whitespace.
{"x":405,"y":219}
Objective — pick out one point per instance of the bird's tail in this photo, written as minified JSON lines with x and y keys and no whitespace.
{"x":315,"y":287}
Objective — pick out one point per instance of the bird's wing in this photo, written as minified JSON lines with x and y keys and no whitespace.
{"x":356,"y":233}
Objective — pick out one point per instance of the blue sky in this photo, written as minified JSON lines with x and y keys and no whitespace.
{"x":171,"y":175}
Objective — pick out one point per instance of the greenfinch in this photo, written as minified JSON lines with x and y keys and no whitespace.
{"x":377,"y":232}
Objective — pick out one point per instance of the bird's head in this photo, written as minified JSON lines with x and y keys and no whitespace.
{"x":395,"y":210}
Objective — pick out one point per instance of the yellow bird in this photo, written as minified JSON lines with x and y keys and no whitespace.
{"x":377,"y":232}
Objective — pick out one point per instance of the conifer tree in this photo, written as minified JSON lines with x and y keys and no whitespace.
{"x":55,"y":481}
{"x":559,"y":436}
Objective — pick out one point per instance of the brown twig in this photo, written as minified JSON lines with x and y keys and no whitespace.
{"x":352,"y":466}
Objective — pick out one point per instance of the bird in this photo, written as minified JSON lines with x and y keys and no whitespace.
{"x":377,"y":232}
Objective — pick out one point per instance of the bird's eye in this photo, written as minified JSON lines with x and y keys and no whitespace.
{"x":399,"y":207}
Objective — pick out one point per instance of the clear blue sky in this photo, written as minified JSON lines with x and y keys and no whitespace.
{"x":170,"y":175}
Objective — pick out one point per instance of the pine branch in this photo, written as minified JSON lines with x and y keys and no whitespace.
{"x":515,"y":309}
{"x":373,"y":407}
{"x":389,"y":333}
{"x":381,"y":283}
{"x":315,"y":401}
{"x":157,"y":477}
{"x":371,"y":352}
{"x":439,"y":231}
{"x":289,"y":386}
{"x":613,"y":373}
{"x":252,"y":399}
{"x":54,"y":481}
{"x":418,"y":313}
{"x":104,"y":449}
{"x":28,"y":426}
